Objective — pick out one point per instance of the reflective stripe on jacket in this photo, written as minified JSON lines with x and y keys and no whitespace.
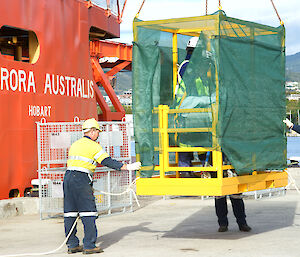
{"x":180,"y":91}
{"x":84,"y":155}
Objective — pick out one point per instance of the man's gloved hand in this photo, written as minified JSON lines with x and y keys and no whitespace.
{"x":288,"y":123}
{"x":134,"y":166}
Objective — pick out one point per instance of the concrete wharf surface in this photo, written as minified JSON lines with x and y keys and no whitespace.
{"x":172,"y":227}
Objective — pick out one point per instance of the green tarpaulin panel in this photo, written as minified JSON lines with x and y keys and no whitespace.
{"x":237,"y":72}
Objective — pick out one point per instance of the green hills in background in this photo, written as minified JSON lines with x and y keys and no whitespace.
{"x":124,"y":78}
{"x":124,"y":81}
{"x":293,"y":67}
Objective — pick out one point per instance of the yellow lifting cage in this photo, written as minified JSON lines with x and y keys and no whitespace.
{"x":167,"y":180}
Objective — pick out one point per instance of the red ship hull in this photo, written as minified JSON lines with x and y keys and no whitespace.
{"x":57,"y":87}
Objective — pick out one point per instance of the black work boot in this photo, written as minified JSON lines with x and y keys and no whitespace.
{"x":76,"y":249}
{"x":244,"y":228}
{"x":91,"y":251}
{"x":223,"y":229}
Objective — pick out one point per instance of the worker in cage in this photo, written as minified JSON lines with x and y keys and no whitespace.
{"x":181,"y":100}
{"x":84,"y":154}
{"x":185,"y":158}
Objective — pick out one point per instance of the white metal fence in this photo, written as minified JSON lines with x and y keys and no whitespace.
{"x":54,"y":140}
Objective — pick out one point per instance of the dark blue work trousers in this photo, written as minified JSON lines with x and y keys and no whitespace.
{"x":238,"y":208}
{"x":79,"y":199}
{"x":185,"y":159}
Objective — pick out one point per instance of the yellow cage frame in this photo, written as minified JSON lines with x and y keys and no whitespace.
{"x":165,"y":184}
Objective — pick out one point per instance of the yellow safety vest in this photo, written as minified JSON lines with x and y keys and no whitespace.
{"x":84,"y":155}
{"x":180,"y":92}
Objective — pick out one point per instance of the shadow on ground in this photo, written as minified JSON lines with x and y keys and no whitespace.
{"x":262,"y":216}
{"x":111,"y":238}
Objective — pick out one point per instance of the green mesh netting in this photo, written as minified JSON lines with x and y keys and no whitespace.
{"x":200,"y":92}
{"x":236,"y":72}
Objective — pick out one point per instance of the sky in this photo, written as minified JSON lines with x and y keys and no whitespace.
{"x":260,"y":11}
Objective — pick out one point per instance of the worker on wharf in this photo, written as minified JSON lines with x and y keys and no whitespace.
{"x":238,"y":208}
{"x":84,"y":154}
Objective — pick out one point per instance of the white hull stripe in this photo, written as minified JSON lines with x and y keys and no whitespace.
{"x":70,"y":214}
{"x":99,"y":154}
{"x":88,"y":214}
{"x":81,"y":158}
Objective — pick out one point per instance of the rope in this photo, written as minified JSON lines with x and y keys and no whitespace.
{"x":129,"y":189}
{"x":206,"y":7}
{"x":220,"y":6}
{"x":123,"y":9}
{"x":45,"y":253}
{"x":138,"y":13}
{"x":281,"y":22}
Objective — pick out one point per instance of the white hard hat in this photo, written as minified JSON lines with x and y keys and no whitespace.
{"x":89,"y":124}
{"x":192,"y":42}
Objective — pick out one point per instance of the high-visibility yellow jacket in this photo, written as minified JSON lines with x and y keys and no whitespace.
{"x":84,"y":155}
{"x":180,"y":92}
